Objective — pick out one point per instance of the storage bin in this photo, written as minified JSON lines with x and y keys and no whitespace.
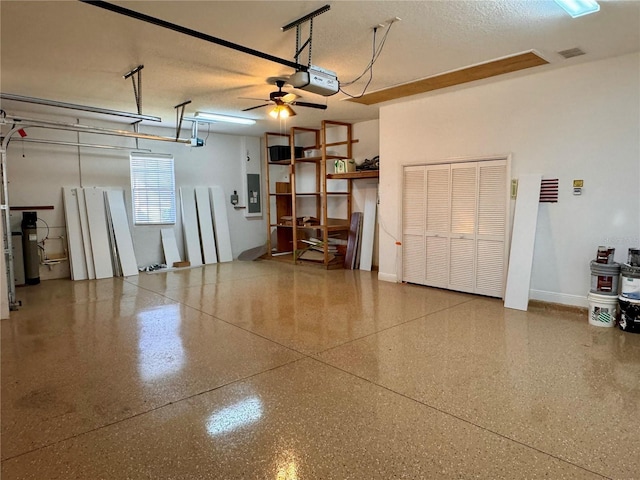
{"x":278,"y":153}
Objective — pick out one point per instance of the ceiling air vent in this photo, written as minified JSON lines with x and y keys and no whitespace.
{"x":572,"y":52}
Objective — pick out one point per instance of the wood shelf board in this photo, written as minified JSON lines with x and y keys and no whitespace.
{"x":354,"y":175}
{"x":277,"y":134}
{"x":337,"y":228}
{"x":308,"y":160}
{"x":344,"y":142}
{"x":330,"y":228}
{"x":312,"y":194}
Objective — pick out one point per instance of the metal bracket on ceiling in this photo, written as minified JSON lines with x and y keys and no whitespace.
{"x":137,"y":89}
{"x":298,"y":24}
{"x":179,"y":116}
{"x":136,"y":129}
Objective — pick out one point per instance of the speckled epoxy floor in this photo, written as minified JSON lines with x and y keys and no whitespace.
{"x":262,"y":370}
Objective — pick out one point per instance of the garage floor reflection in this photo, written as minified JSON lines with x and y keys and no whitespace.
{"x":266,"y":370}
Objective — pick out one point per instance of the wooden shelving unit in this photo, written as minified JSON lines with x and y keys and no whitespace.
{"x":309,"y":178}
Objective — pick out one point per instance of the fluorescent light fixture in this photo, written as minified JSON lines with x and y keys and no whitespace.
{"x":216,"y":117}
{"x":577,"y":8}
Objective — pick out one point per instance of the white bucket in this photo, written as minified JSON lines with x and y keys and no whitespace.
{"x":603,"y":310}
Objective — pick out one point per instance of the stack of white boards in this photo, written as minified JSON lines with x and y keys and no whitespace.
{"x":361,"y":234}
{"x":98,"y":234}
{"x":205,"y":227}
{"x":100,"y":241}
{"x":365,"y":254}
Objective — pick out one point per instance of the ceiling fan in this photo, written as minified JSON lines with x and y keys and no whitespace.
{"x":282,"y":103}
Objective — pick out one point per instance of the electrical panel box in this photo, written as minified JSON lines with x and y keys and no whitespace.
{"x":253,"y":188}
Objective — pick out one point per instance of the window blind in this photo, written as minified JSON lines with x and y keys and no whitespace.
{"x":153,"y":189}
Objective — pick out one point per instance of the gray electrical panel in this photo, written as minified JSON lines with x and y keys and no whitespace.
{"x":253,"y":187}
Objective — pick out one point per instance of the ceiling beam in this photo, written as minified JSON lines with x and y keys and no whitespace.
{"x":481,"y":71}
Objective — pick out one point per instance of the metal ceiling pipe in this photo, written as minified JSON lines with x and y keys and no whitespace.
{"x":78,"y":144}
{"x":76,"y":127}
{"x":73,"y":106}
{"x":308,"y":16}
{"x":194,"y":33}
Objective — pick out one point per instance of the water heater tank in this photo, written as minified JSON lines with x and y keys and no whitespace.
{"x":30,"y":248}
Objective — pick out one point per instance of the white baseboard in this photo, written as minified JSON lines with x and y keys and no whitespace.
{"x":561,"y":298}
{"x":387,"y":277}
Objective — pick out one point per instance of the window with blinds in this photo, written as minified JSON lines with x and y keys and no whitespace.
{"x":153,"y":189}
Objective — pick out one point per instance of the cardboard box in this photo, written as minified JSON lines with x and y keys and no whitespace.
{"x":181,"y":264}
{"x":300,"y":221}
{"x":345,"y":166}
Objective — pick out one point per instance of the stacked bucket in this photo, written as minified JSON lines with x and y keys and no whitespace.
{"x":629,"y":298}
{"x":603,"y":296}
{"x":606,"y":306}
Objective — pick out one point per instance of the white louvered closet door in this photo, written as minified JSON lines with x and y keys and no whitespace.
{"x":492,"y":224}
{"x":454,"y":226}
{"x":462,"y":249}
{"x":413,"y":225}
{"x":437,"y":225}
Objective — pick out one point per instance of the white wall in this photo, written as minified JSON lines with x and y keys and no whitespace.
{"x":37,"y":174}
{"x":577,"y":122}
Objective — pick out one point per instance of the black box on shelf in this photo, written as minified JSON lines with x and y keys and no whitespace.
{"x":283,"y":152}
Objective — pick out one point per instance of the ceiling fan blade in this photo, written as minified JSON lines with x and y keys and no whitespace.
{"x":251,"y":98}
{"x":289,"y":97}
{"x":310,"y":105}
{"x":253,"y":108}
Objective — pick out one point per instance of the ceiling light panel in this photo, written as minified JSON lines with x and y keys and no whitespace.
{"x":216,"y":117}
{"x":578,"y":8}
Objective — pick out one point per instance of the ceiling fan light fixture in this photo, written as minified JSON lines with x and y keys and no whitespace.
{"x":216,"y":117}
{"x":578,"y":8}
{"x":274,"y":112}
{"x":282,"y":111}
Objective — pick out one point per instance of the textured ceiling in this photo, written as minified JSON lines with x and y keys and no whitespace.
{"x":73,"y":52}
